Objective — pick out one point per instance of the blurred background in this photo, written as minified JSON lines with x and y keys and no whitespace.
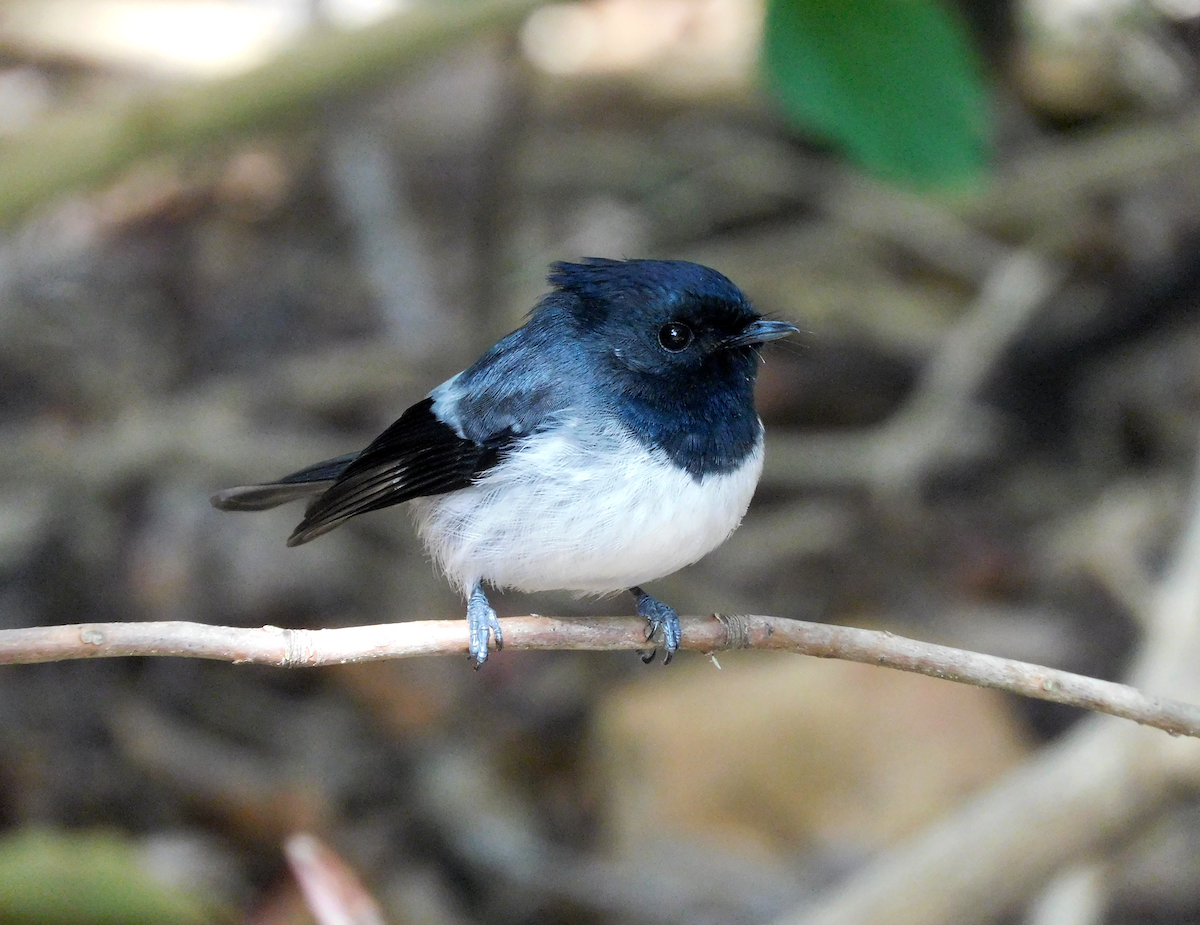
{"x":243,"y":235}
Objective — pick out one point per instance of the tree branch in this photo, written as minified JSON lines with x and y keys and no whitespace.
{"x":300,"y":648}
{"x":88,"y":147}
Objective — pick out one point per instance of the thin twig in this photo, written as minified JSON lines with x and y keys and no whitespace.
{"x":299,"y":648}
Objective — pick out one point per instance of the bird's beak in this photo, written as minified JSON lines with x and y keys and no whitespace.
{"x":759,"y":332}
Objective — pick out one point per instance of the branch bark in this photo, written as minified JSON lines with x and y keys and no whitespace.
{"x":300,"y":648}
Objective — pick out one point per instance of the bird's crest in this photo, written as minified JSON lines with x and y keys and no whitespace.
{"x":602,"y":279}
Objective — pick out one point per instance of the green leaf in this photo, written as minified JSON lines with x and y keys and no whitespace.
{"x":85,"y":879}
{"x":896,"y":84}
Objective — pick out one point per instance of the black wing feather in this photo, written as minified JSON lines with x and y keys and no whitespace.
{"x":418,"y":455}
{"x":306,"y":483}
{"x":325,"y":471}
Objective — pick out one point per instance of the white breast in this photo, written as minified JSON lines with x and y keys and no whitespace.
{"x":592,"y":515}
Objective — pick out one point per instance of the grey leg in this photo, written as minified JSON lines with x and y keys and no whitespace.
{"x":482,"y":620}
{"x":658,"y":617}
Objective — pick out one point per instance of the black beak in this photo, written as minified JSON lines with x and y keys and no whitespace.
{"x":759,"y":332}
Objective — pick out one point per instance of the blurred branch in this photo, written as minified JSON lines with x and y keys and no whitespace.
{"x":922,"y":226}
{"x":300,"y":648}
{"x":1068,"y":804}
{"x":943,"y":407}
{"x":941,"y":422}
{"x":91,"y":146}
{"x":332,"y":890}
{"x":489,"y":827}
{"x":1043,"y":188}
{"x":213,"y":425}
{"x":250,"y":795}
{"x":1078,"y":896}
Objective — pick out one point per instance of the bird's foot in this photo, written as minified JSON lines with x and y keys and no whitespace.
{"x":482,"y":621}
{"x":659,"y":618}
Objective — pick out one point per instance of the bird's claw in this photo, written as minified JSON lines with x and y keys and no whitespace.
{"x":659,"y":619}
{"x":483,"y":623}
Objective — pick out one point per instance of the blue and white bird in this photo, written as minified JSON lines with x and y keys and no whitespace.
{"x":609,"y":441}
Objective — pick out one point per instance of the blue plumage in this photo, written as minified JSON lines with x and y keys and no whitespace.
{"x":595,"y":340}
{"x":610,"y":440}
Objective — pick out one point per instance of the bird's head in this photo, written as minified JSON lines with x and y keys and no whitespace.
{"x":665,"y":318}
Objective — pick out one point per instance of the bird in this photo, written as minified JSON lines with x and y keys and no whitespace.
{"x":609,"y":441}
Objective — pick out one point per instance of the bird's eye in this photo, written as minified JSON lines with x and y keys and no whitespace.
{"x":675,"y":336}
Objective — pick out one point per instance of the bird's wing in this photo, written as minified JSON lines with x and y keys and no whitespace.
{"x":418,"y":455}
{"x":465,"y":426}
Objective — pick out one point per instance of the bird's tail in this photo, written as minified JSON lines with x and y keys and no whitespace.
{"x":307,"y":483}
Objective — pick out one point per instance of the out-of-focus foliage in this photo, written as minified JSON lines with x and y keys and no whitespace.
{"x":86,"y":879}
{"x":895,"y":84}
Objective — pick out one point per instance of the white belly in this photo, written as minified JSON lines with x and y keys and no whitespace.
{"x":555,"y":515}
